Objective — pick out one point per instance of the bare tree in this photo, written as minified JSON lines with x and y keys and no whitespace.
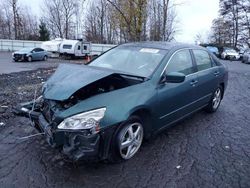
{"x":17,"y":22}
{"x":54,"y":17}
{"x":222,"y":33}
{"x":60,"y":17}
{"x":245,"y":23}
{"x":16,"y":18}
{"x":230,"y":10}
{"x":233,"y":25}
{"x":118,"y":21}
{"x":162,"y":20}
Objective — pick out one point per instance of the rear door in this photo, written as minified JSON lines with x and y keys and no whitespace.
{"x":175,"y":100}
{"x":208,"y":74}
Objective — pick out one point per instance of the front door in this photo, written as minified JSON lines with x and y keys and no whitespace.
{"x":35,"y":54}
{"x":175,"y":99}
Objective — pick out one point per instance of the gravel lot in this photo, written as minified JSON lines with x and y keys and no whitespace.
{"x":205,"y":150}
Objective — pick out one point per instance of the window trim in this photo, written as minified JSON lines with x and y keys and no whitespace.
{"x":195,"y":65}
{"x":177,"y":51}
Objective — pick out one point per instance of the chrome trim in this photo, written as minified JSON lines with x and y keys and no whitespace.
{"x":185,"y":106}
{"x":192,"y":60}
{"x":172,"y":57}
{"x":200,"y":71}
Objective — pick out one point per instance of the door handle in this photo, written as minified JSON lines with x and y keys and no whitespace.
{"x":216,"y":73}
{"x":193,"y":82}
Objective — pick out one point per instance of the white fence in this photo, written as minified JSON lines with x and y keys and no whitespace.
{"x":14,"y":45}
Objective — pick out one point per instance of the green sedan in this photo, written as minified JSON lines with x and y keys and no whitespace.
{"x":104,"y":110}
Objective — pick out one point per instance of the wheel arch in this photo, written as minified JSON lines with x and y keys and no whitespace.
{"x":222,"y":84}
{"x":145,"y":115}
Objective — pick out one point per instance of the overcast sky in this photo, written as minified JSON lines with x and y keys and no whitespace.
{"x":195,"y":16}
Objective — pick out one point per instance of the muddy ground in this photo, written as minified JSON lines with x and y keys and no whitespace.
{"x":205,"y":150}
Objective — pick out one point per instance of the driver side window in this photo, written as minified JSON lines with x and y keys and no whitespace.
{"x":181,"y":62}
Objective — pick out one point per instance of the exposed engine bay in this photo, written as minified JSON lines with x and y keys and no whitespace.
{"x":104,"y":85}
{"x":61,"y":94}
{"x":107,"y":84}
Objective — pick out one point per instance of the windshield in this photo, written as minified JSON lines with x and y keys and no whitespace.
{"x":132,"y":60}
{"x":212,"y":49}
{"x":230,"y":50}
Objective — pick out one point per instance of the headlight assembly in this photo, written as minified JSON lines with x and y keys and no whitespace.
{"x":84,"y":121}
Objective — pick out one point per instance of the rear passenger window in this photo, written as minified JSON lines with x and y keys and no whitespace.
{"x":181,"y":62}
{"x":40,"y":50}
{"x":202,"y":59}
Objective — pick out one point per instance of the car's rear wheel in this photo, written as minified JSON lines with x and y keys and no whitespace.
{"x":128,"y":140}
{"x":215,"y":100}
{"x":29,"y":59}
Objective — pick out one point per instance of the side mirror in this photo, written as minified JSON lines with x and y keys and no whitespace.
{"x":174,"y":77}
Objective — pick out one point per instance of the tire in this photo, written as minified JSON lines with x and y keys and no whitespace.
{"x":29,"y":59}
{"x":127,"y":140}
{"x":45,"y":58}
{"x":215,"y":100}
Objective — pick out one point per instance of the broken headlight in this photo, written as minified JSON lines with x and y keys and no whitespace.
{"x":84,"y":121}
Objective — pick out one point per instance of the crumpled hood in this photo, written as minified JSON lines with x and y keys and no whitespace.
{"x":70,"y":78}
{"x":20,"y":52}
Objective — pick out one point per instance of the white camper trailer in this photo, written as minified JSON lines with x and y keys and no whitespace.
{"x":75,"y":48}
{"x":52,"y":47}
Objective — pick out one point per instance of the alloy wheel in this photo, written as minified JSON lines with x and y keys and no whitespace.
{"x":217,"y":98}
{"x":131,"y":140}
{"x":29,"y":59}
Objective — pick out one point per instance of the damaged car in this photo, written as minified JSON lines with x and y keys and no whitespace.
{"x":104,"y":110}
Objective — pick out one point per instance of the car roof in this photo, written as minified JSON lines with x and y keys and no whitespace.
{"x":162,"y":45}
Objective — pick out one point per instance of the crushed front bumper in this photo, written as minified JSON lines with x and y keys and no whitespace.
{"x":19,"y":57}
{"x":76,"y":145}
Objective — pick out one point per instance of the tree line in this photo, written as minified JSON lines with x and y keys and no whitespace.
{"x":232,"y":27}
{"x":100,"y":21}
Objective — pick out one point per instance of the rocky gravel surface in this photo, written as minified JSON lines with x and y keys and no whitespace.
{"x":205,"y":150}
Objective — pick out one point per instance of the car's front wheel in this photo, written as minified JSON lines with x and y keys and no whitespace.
{"x":45,"y":58}
{"x":215,"y":100}
{"x":29,"y":59}
{"x":128,"y":140}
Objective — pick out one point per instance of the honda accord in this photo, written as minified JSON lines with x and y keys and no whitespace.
{"x":104,"y":110}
